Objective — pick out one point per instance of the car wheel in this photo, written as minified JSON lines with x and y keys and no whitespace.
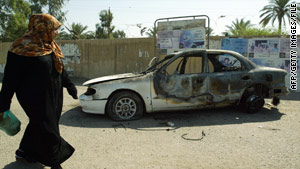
{"x":254,"y":104}
{"x":125,"y":106}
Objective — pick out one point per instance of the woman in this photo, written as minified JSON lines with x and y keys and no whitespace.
{"x":34,"y":71}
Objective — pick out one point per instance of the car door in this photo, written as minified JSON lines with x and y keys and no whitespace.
{"x":227,"y":80}
{"x":182,"y":84}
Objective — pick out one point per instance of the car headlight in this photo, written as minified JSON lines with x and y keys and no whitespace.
{"x":84,"y":97}
{"x":90,"y":91}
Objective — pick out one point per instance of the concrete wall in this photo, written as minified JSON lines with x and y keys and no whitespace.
{"x":94,"y":58}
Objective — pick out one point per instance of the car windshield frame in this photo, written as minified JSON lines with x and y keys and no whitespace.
{"x":171,"y":57}
{"x":155,"y":66}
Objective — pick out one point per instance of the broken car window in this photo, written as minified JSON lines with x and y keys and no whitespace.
{"x":193,"y":65}
{"x":186,"y":65}
{"x":224,"y":63}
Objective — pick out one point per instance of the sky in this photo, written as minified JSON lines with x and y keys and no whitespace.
{"x":128,"y":13}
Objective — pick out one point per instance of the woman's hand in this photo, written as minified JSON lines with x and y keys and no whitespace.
{"x":72,"y":91}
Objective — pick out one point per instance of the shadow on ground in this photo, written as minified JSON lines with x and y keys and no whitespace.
{"x":76,"y":118}
{"x":20,"y":165}
{"x":292,"y":96}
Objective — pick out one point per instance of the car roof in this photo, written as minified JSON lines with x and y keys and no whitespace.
{"x":209,"y":51}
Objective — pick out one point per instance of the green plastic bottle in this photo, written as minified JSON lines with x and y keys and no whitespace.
{"x":9,"y":123}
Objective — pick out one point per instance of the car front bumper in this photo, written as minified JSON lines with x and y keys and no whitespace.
{"x":89,"y":105}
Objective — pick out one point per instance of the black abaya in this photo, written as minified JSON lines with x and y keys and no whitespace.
{"x":39,"y":90}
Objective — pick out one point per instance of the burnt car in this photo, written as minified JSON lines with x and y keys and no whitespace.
{"x":185,"y":80}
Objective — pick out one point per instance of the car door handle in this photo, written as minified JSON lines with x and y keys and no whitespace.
{"x":245,"y":77}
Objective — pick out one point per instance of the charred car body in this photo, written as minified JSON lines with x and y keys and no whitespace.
{"x":186,"y":80}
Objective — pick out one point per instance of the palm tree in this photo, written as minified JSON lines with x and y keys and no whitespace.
{"x":278,"y":10}
{"x":119,"y":34}
{"x":151,"y":32}
{"x":77,"y":31}
{"x":209,"y":31}
{"x":238,"y":26}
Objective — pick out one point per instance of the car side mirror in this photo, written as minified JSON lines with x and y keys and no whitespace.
{"x":153,"y":60}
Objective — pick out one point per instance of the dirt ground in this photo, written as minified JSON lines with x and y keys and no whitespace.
{"x":216,"y":138}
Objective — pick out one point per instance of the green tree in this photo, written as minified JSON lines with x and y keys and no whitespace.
{"x":151,"y":32}
{"x":278,"y":10}
{"x":105,"y":29}
{"x":209,"y":30}
{"x":63,"y":35}
{"x":77,"y":31}
{"x":142,"y":29}
{"x":238,"y":26}
{"x":14,"y":16}
{"x":262,"y":32}
{"x":119,"y":34}
{"x":53,"y":7}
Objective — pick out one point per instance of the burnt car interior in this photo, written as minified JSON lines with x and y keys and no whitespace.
{"x":193,"y":64}
{"x":224,"y":63}
{"x":186,"y":65}
{"x":181,"y":77}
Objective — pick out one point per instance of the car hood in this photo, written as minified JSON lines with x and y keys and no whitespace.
{"x":110,"y":78}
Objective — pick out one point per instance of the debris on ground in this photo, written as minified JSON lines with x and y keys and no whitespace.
{"x":270,"y":105}
{"x":168,"y":124}
{"x":268,"y":128}
{"x":193,"y":139}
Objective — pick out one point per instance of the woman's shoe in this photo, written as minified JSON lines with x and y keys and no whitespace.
{"x":56,"y":167}
{"x":22,"y":157}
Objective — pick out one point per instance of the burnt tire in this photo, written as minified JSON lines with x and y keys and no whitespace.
{"x":124,"y":106}
{"x":254,"y":104}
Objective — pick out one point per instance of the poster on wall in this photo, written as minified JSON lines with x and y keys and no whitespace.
{"x":168,"y":39}
{"x":285,"y":64}
{"x":183,"y":34}
{"x":239,"y":45}
{"x":179,"y":39}
{"x":192,"y":38}
{"x":228,"y":60}
{"x":284,"y":51}
{"x":263,"y":48}
{"x":268,"y":62}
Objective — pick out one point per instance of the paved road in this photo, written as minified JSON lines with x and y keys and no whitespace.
{"x":219,"y":138}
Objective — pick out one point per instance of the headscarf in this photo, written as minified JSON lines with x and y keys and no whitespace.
{"x":38,"y":39}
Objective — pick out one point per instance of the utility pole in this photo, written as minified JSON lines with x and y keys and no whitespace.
{"x":108,"y":29}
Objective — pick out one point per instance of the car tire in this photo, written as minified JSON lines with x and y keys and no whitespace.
{"x":254,"y":104}
{"x":124,"y":106}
